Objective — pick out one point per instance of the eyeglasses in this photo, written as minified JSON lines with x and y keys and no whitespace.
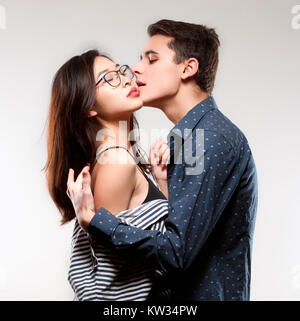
{"x":113,"y":77}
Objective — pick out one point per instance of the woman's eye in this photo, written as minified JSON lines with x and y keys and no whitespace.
{"x":151,"y":61}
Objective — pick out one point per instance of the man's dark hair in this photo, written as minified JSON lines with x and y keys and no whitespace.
{"x":192,"y":40}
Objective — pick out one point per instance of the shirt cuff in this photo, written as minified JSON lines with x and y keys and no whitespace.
{"x":102,"y":223}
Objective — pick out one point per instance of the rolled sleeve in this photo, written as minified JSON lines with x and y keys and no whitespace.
{"x":102,"y":224}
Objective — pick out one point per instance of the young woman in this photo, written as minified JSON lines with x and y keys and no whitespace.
{"x":90,"y":120}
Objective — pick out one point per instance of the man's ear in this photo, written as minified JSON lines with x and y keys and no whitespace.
{"x":92,"y":113}
{"x":191,"y":66}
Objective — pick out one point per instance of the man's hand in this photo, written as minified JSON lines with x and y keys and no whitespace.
{"x":159,"y":157}
{"x":80,"y":193}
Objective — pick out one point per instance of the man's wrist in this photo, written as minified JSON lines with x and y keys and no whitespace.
{"x":102,"y":224}
{"x":86,"y":219}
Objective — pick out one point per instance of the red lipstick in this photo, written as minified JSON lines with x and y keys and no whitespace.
{"x":133,"y":92}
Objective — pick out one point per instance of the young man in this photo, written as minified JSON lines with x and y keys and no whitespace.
{"x":206,"y":249}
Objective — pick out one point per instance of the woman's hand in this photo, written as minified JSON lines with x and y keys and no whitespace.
{"x":81,"y":195}
{"x":159,"y":157}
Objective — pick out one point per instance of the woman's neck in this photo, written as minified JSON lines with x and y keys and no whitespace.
{"x":114,"y":133}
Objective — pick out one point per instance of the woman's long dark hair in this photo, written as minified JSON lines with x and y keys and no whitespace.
{"x":71,"y":137}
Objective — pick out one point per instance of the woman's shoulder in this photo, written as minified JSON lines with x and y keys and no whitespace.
{"x":114,"y":181}
{"x":114,"y":166}
{"x":114,"y":155}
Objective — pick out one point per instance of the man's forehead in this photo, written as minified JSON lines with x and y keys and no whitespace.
{"x":157,"y":44}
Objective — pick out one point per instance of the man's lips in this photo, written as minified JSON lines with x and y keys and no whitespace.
{"x":140,"y":84}
{"x":133,"y":92}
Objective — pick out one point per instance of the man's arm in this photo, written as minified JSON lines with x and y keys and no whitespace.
{"x":195,"y":204}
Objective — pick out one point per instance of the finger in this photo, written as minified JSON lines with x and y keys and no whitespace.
{"x":153,"y":155}
{"x":86,"y":183}
{"x":162,"y":141}
{"x":166,"y":157}
{"x":153,"y":158}
{"x":70,"y":176}
{"x":67,"y":192}
{"x":154,"y":145}
{"x":156,"y":156}
{"x":163,"y":148}
{"x":79,"y":178}
{"x":70,"y":180}
{"x":158,"y":144}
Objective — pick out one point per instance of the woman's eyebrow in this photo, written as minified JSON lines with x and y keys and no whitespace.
{"x":148,"y":52}
{"x":101,"y":72}
{"x":105,"y":70}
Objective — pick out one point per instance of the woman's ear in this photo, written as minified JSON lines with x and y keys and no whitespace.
{"x":92,"y":113}
{"x":191,"y":66}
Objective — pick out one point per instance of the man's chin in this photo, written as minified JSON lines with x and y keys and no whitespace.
{"x":147,"y":101}
{"x":151,"y":106}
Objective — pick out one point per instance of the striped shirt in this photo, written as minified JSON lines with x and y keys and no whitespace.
{"x":98,"y":272}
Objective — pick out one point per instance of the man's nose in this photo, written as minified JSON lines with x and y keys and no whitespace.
{"x":137,"y":68}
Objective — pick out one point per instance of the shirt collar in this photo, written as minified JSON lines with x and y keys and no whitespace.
{"x":193,"y":116}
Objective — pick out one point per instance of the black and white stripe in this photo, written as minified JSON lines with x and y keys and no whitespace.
{"x":97,"y":272}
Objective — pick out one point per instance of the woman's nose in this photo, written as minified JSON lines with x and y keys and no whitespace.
{"x":126,"y":80}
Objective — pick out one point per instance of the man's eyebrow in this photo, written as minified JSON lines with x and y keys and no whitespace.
{"x":148,"y":52}
{"x":105,"y":70}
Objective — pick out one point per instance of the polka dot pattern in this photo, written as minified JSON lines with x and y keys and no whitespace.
{"x":207,"y":246}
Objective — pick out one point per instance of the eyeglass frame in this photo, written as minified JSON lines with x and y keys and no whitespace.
{"x":118,"y":74}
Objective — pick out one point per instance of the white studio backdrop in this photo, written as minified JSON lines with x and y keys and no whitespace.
{"x":257,"y":87}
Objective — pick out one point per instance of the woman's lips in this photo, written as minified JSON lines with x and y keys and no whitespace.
{"x":134,"y":92}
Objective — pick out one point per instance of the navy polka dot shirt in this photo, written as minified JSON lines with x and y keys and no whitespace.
{"x":212,"y":184}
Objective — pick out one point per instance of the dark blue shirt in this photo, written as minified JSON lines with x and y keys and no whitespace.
{"x":206,"y":250}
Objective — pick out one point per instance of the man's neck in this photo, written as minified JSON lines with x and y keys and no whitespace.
{"x":177,"y":107}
